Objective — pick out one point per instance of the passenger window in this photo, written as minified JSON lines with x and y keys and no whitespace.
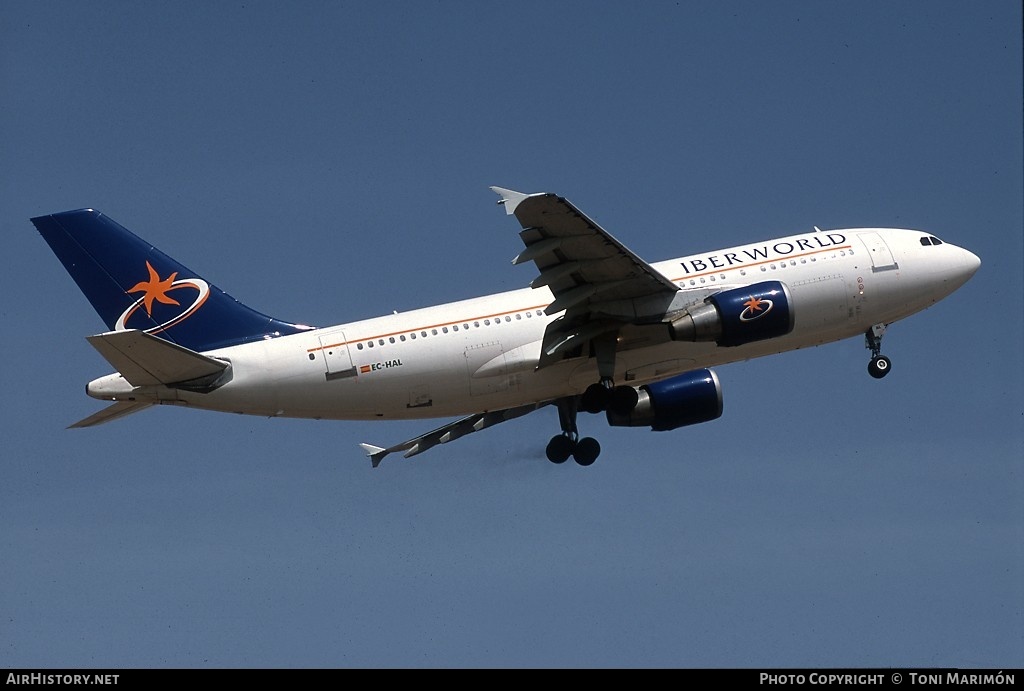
{"x":359,"y":346}
{"x":444,"y":329}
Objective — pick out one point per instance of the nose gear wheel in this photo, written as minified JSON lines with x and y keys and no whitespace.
{"x":880,"y":364}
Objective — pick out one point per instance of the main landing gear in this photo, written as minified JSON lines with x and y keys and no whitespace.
{"x":584,"y":451}
{"x":606,"y":396}
{"x":880,"y":364}
{"x":597,"y":398}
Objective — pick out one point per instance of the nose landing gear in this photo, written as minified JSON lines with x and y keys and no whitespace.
{"x":880,"y":364}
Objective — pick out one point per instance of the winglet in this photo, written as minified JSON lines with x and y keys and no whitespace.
{"x":376,"y":453}
{"x":510,"y":199}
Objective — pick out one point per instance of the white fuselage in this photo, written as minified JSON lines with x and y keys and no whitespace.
{"x":481,"y":354}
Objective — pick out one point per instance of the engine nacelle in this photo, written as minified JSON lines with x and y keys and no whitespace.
{"x":738,"y":316}
{"x":687,"y":399}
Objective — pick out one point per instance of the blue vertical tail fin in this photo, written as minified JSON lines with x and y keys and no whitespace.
{"x":133,"y":285}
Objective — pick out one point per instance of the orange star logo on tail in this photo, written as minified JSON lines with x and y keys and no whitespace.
{"x":155,"y":289}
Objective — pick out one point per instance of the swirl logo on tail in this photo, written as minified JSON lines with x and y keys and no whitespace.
{"x":155,"y":290}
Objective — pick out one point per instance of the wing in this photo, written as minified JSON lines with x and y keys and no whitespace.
{"x":598,"y":283}
{"x":450,"y":432}
{"x":594,"y":278}
{"x":579,"y":261}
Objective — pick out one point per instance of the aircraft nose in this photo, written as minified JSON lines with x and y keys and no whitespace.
{"x":969,"y":263}
{"x":960,"y":266}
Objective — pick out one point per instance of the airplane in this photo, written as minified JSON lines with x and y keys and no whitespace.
{"x":597,"y":330}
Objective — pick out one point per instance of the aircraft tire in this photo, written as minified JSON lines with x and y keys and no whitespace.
{"x":586,"y":452}
{"x":623,"y":400}
{"x":595,"y":398}
{"x":879,"y":366}
{"x":560,"y":448}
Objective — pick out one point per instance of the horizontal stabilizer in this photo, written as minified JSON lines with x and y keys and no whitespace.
{"x":112,"y":412}
{"x":145,"y":360}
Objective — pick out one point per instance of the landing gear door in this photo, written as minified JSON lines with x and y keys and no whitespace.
{"x":881,"y":257}
{"x":336,"y":356}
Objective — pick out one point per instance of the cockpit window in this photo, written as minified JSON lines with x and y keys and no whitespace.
{"x":935,"y":240}
{"x":926,"y":242}
{"x":930,"y":240}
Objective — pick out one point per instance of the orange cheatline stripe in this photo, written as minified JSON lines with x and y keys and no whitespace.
{"x":432,"y":326}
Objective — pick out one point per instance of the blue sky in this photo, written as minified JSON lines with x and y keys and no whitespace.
{"x":325,"y":162}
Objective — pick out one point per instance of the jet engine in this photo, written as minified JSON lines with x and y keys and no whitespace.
{"x":683,"y":400}
{"x":737,"y":316}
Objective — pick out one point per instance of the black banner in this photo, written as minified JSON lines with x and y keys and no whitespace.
{"x":824,"y":677}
